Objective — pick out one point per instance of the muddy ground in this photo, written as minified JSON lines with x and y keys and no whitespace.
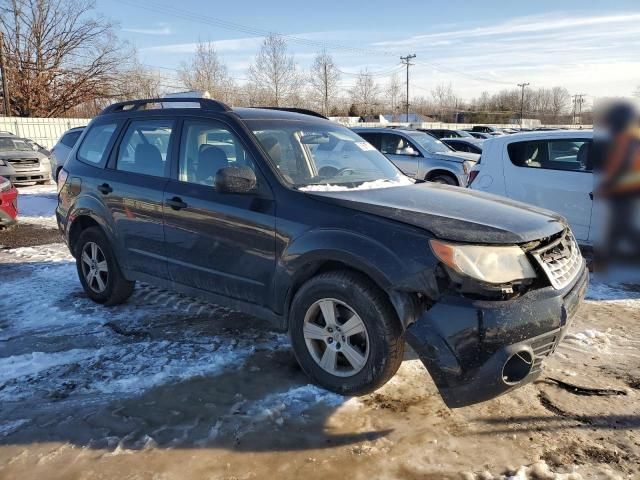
{"x":167,"y":387}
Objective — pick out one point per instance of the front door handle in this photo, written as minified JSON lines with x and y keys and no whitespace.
{"x":591,"y":195}
{"x":176,"y":203}
{"x":105,"y":188}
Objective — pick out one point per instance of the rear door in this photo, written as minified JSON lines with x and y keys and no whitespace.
{"x":553,"y":174}
{"x":132,"y":188}
{"x":219,"y":242}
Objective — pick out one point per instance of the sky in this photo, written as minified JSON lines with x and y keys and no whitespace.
{"x":589,"y":47}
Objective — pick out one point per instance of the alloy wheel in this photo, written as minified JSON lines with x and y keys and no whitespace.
{"x":94,"y":267}
{"x":336,"y":337}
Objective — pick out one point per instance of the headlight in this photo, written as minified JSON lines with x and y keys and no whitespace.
{"x":5,"y":184}
{"x":486,"y":263}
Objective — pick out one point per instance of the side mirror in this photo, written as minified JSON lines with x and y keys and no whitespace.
{"x":235,"y":180}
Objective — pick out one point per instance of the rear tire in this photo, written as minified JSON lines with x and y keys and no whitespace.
{"x":357,"y":352}
{"x":98,"y":270}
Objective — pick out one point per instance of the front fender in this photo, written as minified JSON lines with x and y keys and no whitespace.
{"x":304,"y":255}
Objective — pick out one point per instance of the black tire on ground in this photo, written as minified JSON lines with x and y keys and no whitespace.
{"x":385,"y":338}
{"x":444,"y":179}
{"x":117,"y":288}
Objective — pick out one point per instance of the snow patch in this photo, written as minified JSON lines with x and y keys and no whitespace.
{"x":7,"y":428}
{"x":401,"y":181}
{"x":292,"y":403}
{"x":590,"y":339}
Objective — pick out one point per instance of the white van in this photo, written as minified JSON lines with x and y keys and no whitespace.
{"x":549,"y":169}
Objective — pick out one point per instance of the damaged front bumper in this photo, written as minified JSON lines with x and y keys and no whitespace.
{"x":476,"y":350}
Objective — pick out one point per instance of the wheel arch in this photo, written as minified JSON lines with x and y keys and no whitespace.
{"x":431,"y":174}
{"x":301,"y":262}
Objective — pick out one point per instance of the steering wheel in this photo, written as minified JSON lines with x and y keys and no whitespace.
{"x":344,"y":171}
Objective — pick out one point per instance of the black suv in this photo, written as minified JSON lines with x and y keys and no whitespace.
{"x":239,"y":207}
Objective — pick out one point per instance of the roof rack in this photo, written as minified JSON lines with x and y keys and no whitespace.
{"x":303,"y":111}
{"x":134,"y":105}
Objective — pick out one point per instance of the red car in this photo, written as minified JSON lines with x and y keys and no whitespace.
{"x":8,"y":203}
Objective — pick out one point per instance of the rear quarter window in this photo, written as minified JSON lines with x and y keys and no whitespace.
{"x":70,"y":139}
{"x":96,"y":144}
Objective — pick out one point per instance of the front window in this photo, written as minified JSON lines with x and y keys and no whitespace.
{"x":429,"y":143}
{"x":319,"y":156}
{"x":13,"y":145}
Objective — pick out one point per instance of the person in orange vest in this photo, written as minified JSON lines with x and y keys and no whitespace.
{"x":618,"y":164}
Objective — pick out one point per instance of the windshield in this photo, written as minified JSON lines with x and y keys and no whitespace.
{"x":322,"y":156}
{"x":429,"y":143}
{"x":462,"y":133}
{"x":14,"y":144}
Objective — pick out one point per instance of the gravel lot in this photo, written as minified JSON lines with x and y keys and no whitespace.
{"x":169,"y":387}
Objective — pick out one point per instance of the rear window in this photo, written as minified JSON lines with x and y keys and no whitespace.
{"x":93,"y":149}
{"x":70,"y":139}
{"x":556,"y":154}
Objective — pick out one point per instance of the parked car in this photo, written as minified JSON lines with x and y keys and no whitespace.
{"x":20,"y":163}
{"x":464,"y":144}
{"x":480,"y":135}
{"x":421,"y":156}
{"x":228,"y":205}
{"x":61,"y":149}
{"x":445,"y":133}
{"x":487,"y":129}
{"x":550,"y":169}
{"x":8,"y":203}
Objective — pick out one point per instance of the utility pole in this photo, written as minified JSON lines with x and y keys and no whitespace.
{"x":406,"y":61}
{"x":578,"y":100}
{"x":326,"y":91}
{"x":522,"y":86}
{"x":5,"y":83}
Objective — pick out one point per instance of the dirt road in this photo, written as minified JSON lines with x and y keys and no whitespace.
{"x":166,"y":387}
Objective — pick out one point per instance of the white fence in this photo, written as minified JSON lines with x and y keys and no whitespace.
{"x":45,"y":131}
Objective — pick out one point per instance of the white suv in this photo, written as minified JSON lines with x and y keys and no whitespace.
{"x":549,"y":169}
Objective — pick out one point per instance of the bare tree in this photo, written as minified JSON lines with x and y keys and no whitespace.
{"x":364,"y":93}
{"x":560,"y":98}
{"x":446,"y":102}
{"x":274,"y":71}
{"x":58,"y":55}
{"x":323,"y":78}
{"x":206,"y":72}
{"x":393,"y":93}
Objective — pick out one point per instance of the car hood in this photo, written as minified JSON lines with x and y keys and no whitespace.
{"x":20,"y":154}
{"x":456,"y":156}
{"x":453,"y":213}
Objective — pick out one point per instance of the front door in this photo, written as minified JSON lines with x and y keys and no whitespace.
{"x":554,"y":174}
{"x":219,"y":242}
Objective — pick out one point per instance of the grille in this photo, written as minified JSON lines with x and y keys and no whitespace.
{"x":542,"y":348}
{"x":561,"y":260}
{"x":24,"y":164}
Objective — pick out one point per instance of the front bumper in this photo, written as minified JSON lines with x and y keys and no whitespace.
{"x":465,"y":343}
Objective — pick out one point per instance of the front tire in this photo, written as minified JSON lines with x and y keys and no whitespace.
{"x":345,"y":334}
{"x":98,"y":270}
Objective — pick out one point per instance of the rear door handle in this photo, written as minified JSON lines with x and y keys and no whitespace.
{"x":105,"y":188}
{"x":176,"y":203}
{"x":591,"y":195}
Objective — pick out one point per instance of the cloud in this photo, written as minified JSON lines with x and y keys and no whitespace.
{"x":540,"y":23}
{"x":160,"y":29}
